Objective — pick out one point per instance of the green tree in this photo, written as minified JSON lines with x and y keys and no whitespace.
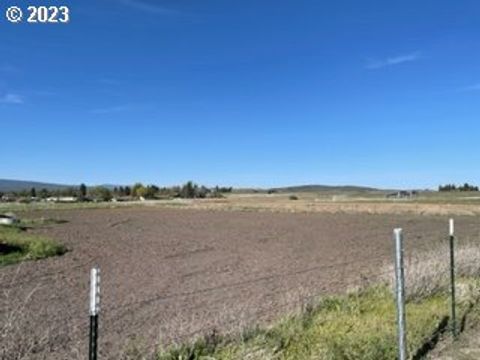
{"x":138,"y":190}
{"x":188,"y":190}
{"x":141,"y":191}
{"x":33,"y":192}
{"x":83,"y":191}
{"x":44,"y":193}
{"x":152,"y":190}
{"x":101,"y":193}
{"x":24,"y":193}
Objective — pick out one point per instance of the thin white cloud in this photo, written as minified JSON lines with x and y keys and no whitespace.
{"x":110,"y":110}
{"x":391,"y":61}
{"x":11,"y":98}
{"x":149,"y":7}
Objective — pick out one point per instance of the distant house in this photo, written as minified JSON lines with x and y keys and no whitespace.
{"x":62,"y":199}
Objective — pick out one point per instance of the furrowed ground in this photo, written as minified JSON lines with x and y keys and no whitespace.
{"x":169,"y":275}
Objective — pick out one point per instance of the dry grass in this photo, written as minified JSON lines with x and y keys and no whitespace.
{"x":324,"y":202}
{"x":428,"y":273}
{"x":20,"y":336}
{"x":323,"y":329}
{"x":333,"y":204}
{"x":17,"y":341}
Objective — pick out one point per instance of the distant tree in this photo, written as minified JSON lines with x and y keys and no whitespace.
{"x":128,"y":191}
{"x":44,"y":193}
{"x":188,"y":190}
{"x":135,"y":188}
{"x":83,"y":191}
{"x":139,"y":190}
{"x":223,"y":189}
{"x":453,"y":187}
{"x":151,"y":191}
{"x":33,"y":192}
{"x":448,"y":187}
{"x":101,"y":193}
{"x":468,"y":187}
{"x":24,"y":193}
{"x":70,"y":191}
{"x":201,"y":192}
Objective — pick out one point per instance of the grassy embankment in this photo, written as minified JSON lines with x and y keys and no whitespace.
{"x":17,"y":244}
{"x":359,"y":325}
{"x":355,"y":326}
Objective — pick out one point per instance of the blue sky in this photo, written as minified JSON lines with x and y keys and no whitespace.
{"x":243,"y":93}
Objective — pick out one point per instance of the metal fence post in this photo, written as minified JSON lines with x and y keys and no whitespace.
{"x":94,"y":311}
{"x":452,"y":277}
{"x":400,"y":294}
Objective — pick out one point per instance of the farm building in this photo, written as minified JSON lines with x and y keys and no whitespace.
{"x":62,"y":199}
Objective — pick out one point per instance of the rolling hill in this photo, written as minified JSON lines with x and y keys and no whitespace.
{"x":315,"y":188}
{"x":7,"y":185}
{"x":19,"y":185}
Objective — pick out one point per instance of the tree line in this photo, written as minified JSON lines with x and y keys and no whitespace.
{"x":188,"y":190}
{"x":453,"y":187}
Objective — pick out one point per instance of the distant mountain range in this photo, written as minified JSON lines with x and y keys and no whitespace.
{"x":7,"y":185}
{"x":19,"y":185}
{"x":314,"y":188}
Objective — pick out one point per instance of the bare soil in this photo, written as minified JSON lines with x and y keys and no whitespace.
{"x":170,"y":275}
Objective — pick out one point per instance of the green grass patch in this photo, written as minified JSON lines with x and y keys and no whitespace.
{"x":18,"y":245}
{"x":31,"y":223}
{"x":355,"y":326}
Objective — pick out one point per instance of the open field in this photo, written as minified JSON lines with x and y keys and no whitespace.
{"x":171,"y":274}
{"x":374,"y":202}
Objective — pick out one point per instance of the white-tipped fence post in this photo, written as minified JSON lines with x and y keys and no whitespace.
{"x":452,"y":276}
{"x":400,"y":294}
{"x":94,"y":311}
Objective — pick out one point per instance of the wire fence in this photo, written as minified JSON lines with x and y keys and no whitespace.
{"x":176,"y":316}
